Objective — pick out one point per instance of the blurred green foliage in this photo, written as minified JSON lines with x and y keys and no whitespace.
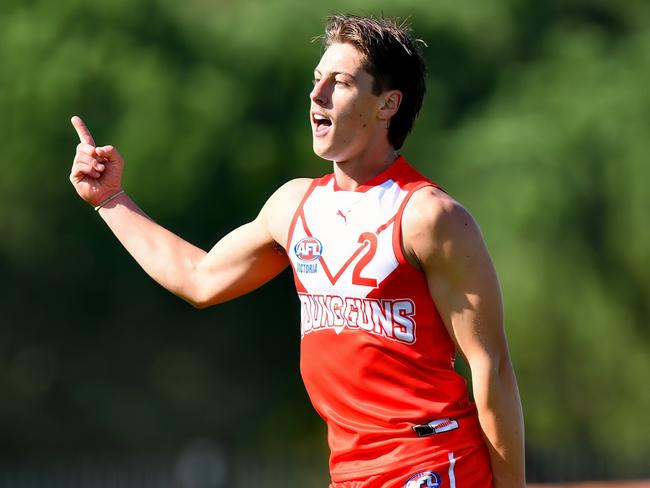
{"x":536,"y":118}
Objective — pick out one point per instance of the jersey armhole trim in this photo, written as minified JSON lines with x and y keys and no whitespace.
{"x":292,"y":226}
{"x":299,"y":208}
{"x":398,"y":241}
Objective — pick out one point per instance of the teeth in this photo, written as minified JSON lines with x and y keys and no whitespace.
{"x":319,"y":117}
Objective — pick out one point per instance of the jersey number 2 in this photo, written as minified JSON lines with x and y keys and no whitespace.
{"x":357,"y":279}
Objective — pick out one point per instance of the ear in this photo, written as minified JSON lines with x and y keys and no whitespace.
{"x":389,"y":103}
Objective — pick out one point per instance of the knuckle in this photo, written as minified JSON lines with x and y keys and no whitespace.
{"x":85,"y":159}
{"x":86,"y":148}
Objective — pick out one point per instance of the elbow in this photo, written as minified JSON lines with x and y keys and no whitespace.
{"x":487,"y":367}
{"x":194,"y":301}
{"x":201,"y":297}
{"x":199,"y":305}
{"x":495,"y":385}
{"x":491,"y":373}
{"x":202,"y":290}
{"x":194,"y":293}
{"x":199,"y":300}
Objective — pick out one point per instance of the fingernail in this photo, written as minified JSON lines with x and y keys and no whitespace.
{"x":100,"y":167}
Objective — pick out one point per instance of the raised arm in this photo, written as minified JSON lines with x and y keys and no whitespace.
{"x":241,"y":261}
{"x":443,"y":239}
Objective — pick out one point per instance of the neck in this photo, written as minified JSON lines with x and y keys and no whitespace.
{"x":354,"y":172}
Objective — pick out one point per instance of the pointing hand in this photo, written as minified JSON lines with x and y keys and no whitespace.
{"x":96,"y":171}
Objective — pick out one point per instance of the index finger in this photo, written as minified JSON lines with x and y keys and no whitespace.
{"x":82,"y":131}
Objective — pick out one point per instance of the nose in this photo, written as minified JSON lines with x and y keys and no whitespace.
{"x":320,"y":93}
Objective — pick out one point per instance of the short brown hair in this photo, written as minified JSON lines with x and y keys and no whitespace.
{"x":392,"y":58}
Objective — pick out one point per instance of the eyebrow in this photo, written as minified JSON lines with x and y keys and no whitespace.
{"x":334,"y":73}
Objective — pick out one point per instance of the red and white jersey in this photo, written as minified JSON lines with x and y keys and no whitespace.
{"x":376,"y":358}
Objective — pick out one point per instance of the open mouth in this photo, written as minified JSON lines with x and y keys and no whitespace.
{"x":321,"y":124}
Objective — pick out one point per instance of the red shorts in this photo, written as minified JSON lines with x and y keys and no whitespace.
{"x":468,"y":468}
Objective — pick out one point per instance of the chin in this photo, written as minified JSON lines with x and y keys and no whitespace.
{"x":322,"y":152}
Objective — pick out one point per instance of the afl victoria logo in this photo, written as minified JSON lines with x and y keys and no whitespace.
{"x":425,"y":479}
{"x":308,"y":249}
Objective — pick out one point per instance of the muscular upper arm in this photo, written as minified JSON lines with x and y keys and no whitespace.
{"x":443,"y":238}
{"x":250,"y":255}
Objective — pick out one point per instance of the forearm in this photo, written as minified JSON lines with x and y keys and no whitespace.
{"x":168,"y":259}
{"x":500,"y":414}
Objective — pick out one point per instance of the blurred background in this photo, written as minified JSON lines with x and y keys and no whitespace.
{"x":536,"y":118}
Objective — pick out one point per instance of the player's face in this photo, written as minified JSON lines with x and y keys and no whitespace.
{"x":344,"y":109}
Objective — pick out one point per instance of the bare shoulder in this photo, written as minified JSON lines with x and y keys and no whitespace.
{"x":294,"y":189}
{"x":281,"y":206}
{"x":286,"y":198}
{"x":435,"y":226}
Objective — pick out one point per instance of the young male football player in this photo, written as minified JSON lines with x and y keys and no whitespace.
{"x":392,"y":275}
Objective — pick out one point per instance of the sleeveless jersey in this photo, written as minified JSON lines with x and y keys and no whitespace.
{"x":375,"y":357}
